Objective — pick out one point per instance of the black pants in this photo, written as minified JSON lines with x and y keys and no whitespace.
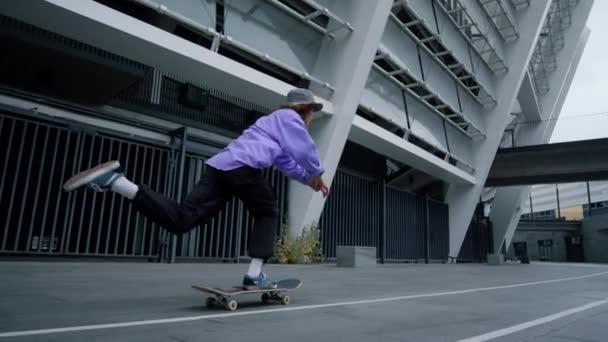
{"x":209,"y":196}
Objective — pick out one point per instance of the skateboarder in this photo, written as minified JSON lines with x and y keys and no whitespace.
{"x":280,"y":139}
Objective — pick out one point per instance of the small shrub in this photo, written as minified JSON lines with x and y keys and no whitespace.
{"x":306,"y":249}
{"x":283,"y":246}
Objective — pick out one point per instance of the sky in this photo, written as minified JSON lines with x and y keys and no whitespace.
{"x":588,"y":93}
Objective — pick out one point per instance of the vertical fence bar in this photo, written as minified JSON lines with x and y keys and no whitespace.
{"x":200,"y":229}
{"x":4,"y":177}
{"x":239,"y":230}
{"x":84,"y":201}
{"x":588,"y":200}
{"x":112,"y":203}
{"x":25,"y":192}
{"x":69,"y":214}
{"x":180,"y":180}
{"x":383,"y":221}
{"x":48,"y":191}
{"x":352,"y":199}
{"x":103,"y":203}
{"x":156,"y":172}
{"x":224,"y":230}
{"x":187,"y":238}
{"x":148,"y":181}
{"x":41,"y":170}
{"x":122,"y":202}
{"x":137,"y":228}
{"x":11,"y":198}
{"x":168,"y":186}
{"x":559,"y":210}
{"x":96,"y":161}
{"x":129,"y":207}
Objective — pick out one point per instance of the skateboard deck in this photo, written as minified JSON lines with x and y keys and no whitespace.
{"x":224,"y":295}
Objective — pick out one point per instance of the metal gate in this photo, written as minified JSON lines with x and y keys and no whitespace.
{"x":405,"y":226}
{"x":38,"y":218}
{"x":351,"y":215}
{"x":401,"y":225}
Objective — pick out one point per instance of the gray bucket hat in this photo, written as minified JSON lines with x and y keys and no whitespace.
{"x":303,"y":96}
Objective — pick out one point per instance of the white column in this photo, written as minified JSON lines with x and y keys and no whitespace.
{"x":345,"y":63}
{"x":506,"y":211}
{"x":462,"y":200}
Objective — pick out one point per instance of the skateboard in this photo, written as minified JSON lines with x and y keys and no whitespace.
{"x":225,"y":295}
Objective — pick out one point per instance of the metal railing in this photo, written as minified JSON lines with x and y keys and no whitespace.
{"x":520,"y":4}
{"x":222,"y":38}
{"x":313,"y":14}
{"x":390,"y":66}
{"x":500,"y":16}
{"x":434,"y":47}
{"x":405,"y":133}
{"x":551,"y":41}
{"x":473,"y":34}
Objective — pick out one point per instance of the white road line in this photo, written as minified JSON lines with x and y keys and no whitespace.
{"x":568,"y":264}
{"x":519,"y":327}
{"x":294,"y":308}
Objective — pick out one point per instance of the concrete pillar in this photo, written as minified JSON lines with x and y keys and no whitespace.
{"x":505,"y":214}
{"x":463,"y":199}
{"x":345,"y":63}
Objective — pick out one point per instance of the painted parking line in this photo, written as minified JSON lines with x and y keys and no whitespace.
{"x":523,"y":326}
{"x":278,"y":310}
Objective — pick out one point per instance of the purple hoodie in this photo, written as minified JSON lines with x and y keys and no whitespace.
{"x":280,"y":139}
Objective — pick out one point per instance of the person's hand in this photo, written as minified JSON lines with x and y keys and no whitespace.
{"x":317,"y":184}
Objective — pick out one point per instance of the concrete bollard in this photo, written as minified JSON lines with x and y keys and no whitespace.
{"x":355,"y":256}
{"x":496,"y":259}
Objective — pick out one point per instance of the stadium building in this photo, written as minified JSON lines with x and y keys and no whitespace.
{"x":418,"y":97}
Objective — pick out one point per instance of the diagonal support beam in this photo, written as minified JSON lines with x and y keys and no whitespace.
{"x":462,"y":200}
{"x":505,"y":210}
{"x":346,"y":64}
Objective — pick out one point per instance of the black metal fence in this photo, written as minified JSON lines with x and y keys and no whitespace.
{"x":405,"y":229}
{"x":37,"y":217}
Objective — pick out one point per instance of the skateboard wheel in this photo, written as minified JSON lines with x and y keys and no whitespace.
{"x":231,"y":305}
{"x":265,"y":298}
{"x":285,"y":300}
{"x":210,"y":302}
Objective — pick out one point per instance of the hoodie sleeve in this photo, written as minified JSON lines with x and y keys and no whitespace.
{"x":291,"y":169}
{"x":296,"y":142}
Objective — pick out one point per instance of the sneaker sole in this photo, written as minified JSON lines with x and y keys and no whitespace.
{"x":255,"y":288}
{"x":87,"y":176}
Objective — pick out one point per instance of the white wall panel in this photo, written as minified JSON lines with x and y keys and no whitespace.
{"x":402,"y":46}
{"x":425,"y":124}
{"x":271,"y":31}
{"x":385,"y":98}
{"x":439,"y":81}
